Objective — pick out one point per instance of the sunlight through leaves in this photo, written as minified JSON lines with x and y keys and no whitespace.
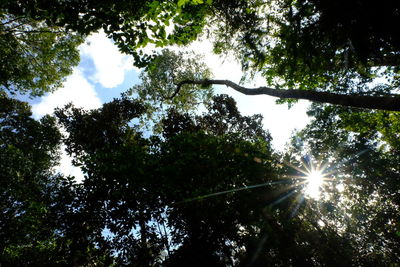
{"x":314,"y":180}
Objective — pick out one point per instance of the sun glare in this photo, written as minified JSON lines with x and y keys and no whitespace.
{"x":314,"y":182}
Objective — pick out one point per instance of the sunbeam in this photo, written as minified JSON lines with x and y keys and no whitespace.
{"x":230,"y":191}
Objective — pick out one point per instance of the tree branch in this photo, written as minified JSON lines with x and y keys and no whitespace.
{"x":39,"y":31}
{"x":11,"y":20}
{"x":390,"y":103}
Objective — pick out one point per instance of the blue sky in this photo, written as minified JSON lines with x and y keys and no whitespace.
{"x":104,"y":73}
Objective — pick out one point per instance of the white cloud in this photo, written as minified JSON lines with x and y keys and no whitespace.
{"x":76,"y":89}
{"x":110,"y":64}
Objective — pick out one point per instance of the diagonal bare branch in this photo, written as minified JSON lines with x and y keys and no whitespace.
{"x":390,"y":102}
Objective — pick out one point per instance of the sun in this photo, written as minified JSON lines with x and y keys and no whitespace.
{"x":312,"y":177}
{"x":314,"y":181}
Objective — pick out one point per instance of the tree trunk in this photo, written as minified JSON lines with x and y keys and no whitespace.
{"x":390,"y":102}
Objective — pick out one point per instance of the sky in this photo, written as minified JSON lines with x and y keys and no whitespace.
{"x":104,"y":73}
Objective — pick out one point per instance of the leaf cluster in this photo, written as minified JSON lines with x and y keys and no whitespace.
{"x":36,"y":57}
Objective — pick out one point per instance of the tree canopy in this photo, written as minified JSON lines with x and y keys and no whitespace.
{"x":287,"y":42}
{"x":203,"y":189}
{"x":208,"y":190}
{"x":36,"y":57}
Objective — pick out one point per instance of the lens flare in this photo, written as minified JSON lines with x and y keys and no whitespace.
{"x":314,"y":180}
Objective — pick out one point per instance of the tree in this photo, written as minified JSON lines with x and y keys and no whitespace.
{"x":151,"y":194}
{"x":40,"y":210}
{"x":321,"y":45}
{"x":286,"y":41}
{"x":28,"y":151}
{"x":209,"y":190}
{"x":310,"y":47}
{"x":157,"y":87}
{"x":360,"y":194}
{"x":289,"y":44}
{"x":36,"y":57}
{"x":206,"y":228}
{"x":118,"y":190}
{"x":131,"y":24}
